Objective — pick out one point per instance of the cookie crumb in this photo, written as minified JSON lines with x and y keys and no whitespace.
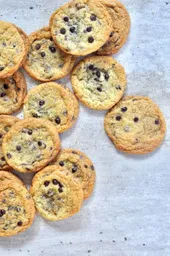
{"x":143,"y":244}
{"x":125,"y":238}
{"x":31,"y":7}
{"x":101,"y":241}
{"x":70,"y":242}
{"x":113,"y":241}
{"x":89,"y":251}
{"x":101,"y":232}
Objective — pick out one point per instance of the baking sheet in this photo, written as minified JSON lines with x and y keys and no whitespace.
{"x":129,"y":212}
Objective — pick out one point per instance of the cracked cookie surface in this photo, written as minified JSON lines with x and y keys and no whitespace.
{"x":12,"y":49}
{"x":16,"y":205}
{"x":135,"y":125}
{"x":6,"y":122}
{"x":120,"y":27}
{"x":30,"y":145}
{"x":53,"y":102}
{"x":45,"y":61}
{"x":12,"y":93}
{"x":56,"y":194}
{"x":99,"y":82}
{"x":81,"y":27}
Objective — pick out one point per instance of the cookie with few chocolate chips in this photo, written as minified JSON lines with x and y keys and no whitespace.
{"x":30,"y":144}
{"x":135,"y":125}
{"x":56,"y":194}
{"x":17,"y":209}
{"x":99,"y":82}
{"x":53,"y":102}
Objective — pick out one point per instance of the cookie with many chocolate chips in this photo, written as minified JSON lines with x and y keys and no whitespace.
{"x":120,"y":27}
{"x":80,"y":166}
{"x":99,"y":82}
{"x":31,"y":144}
{"x":53,"y":102}
{"x":12,"y":93}
{"x":56,"y":194}
{"x":17,"y":209}
{"x":6,"y":122}
{"x":45,"y":61}
{"x":12,"y":49}
{"x":135,"y":125}
{"x":81,"y":26}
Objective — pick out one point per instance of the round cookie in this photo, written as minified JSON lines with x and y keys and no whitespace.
{"x":81,"y":26}
{"x":99,"y":82}
{"x":17,"y":209}
{"x":45,"y":61}
{"x":6,"y":122}
{"x":30,"y":145}
{"x":12,"y":93}
{"x":80,"y":166}
{"x":120,"y":27}
{"x":12,"y":49}
{"x":56,"y":194}
{"x":53,"y":102}
{"x":135,"y":125}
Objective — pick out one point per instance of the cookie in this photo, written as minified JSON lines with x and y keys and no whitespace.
{"x":80,"y":166}
{"x":53,"y":102}
{"x":56,"y":194}
{"x":135,"y":125}
{"x":81,"y":27}
{"x":6,"y":122}
{"x":12,"y":49}
{"x":30,"y":145}
{"x":99,"y":82}
{"x":45,"y":61}
{"x":12,"y":93}
{"x":17,"y":209}
{"x":120,"y":27}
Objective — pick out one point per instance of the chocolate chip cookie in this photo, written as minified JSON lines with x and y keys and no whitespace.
{"x":53,"y":102}
{"x":12,"y":93}
{"x":30,"y":144}
{"x":12,"y":49}
{"x":56,"y":194}
{"x":135,"y":125}
{"x":16,"y":205}
{"x":99,"y":82}
{"x":81,"y":26}
{"x":6,"y":122}
{"x":120,"y":27}
{"x":45,"y":61}
{"x":80,"y":166}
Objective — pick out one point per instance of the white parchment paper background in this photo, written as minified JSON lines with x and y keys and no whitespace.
{"x":129,"y":212}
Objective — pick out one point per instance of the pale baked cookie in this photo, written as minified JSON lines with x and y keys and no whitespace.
{"x":12,"y":93}
{"x":56,"y":194}
{"x":81,"y":27}
{"x":80,"y":166}
{"x":12,"y":49}
{"x":120,"y":27}
{"x":135,"y":125}
{"x":53,"y":102}
{"x":30,"y":145}
{"x":6,"y":122}
{"x":16,"y":205}
{"x":99,"y":82}
{"x":45,"y":61}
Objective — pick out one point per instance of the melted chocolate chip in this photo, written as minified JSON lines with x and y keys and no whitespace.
{"x":74,"y":169}
{"x":98,"y":73}
{"x":93,"y":17}
{"x":39,"y":143}
{"x":30,"y":132}
{"x":61,"y":163}
{"x":89,"y":29}
{"x":72,"y":29}
{"x":91,"y":67}
{"x":38,"y":46}
{"x":85,"y":166}
{"x":41,"y":102}
{"x":55,"y":182}
{"x":66,"y":19}
{"x":18,"y":148}
{"x":43,"y":54}
{"x":3,"y":94}
{"x":118,"y":118}
{"x":99,"y":89}
{"x":34,"y":115}
{"x":19,"y":223}
{"x":136,"y":119}
{"x":46,"y":183}
{"x":52,"y":49}
{"x":6,"y":86}
{"x":2,"y":158}
{"x":58,"y":120}
{"x":9,"y":155}
{"x":118,"y":87}
{"x":2,"y":212}
{"x":60,"y":190}
{"x":1,"y":68}
{"x":90,"y":39}
{"x":106,"y":76}
{"x":156,"y":121}
{"x":111,"y":34}
{"x":124,"y":109}
{"x":62,"y":31}
{"x":1,"y":136}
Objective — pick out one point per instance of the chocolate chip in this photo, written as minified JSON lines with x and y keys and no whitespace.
{"x":90,"y":39}
{"x":18,"y":148}
{"x":118,"y":87}
{"x":118,"y":118}
{"x":98,"y":73}
{"x":12,"y":81}
{"x":38,"y":46}
{"x":34,"y":115}
{"x":3,"y":158}
{"x":91,"y":67}
{"x":2,"y":212}
{"x":66,"y":19}
{"x":61,"y":163}
{"x":111,"y":34}
{"x":3,"y":94}
{"x":52,"y":49}
{"x":46,"y":183}
{"x":60,"y":190}
{"x":30,"y":132}
{"x":58,"y":120}
{"x":85,"y":166}
{"x":41,"y":102}
{"x":62,"y":31}
{"x":136,"y":119}
{"x":9,"y":155}
{"x":93,"y":17}
{"x":1,"y":68}
{"x":55,"y":182}
{"x":1,"y":136}
{"x":6,"y":86}
{"x":124,"y":109}
{"x":157,"y":121}
{"x":92,"y":167}
{"x":39,"y":143}
{"x":74,"y":169}
{"x":106,"y":76}
{"x":43,"y":54}
{"x":72,"y":29}
{"x":65,"y":113}
{"x":19,"y":223}
{"x":89,"y":29}
{"x":99,"y":89}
